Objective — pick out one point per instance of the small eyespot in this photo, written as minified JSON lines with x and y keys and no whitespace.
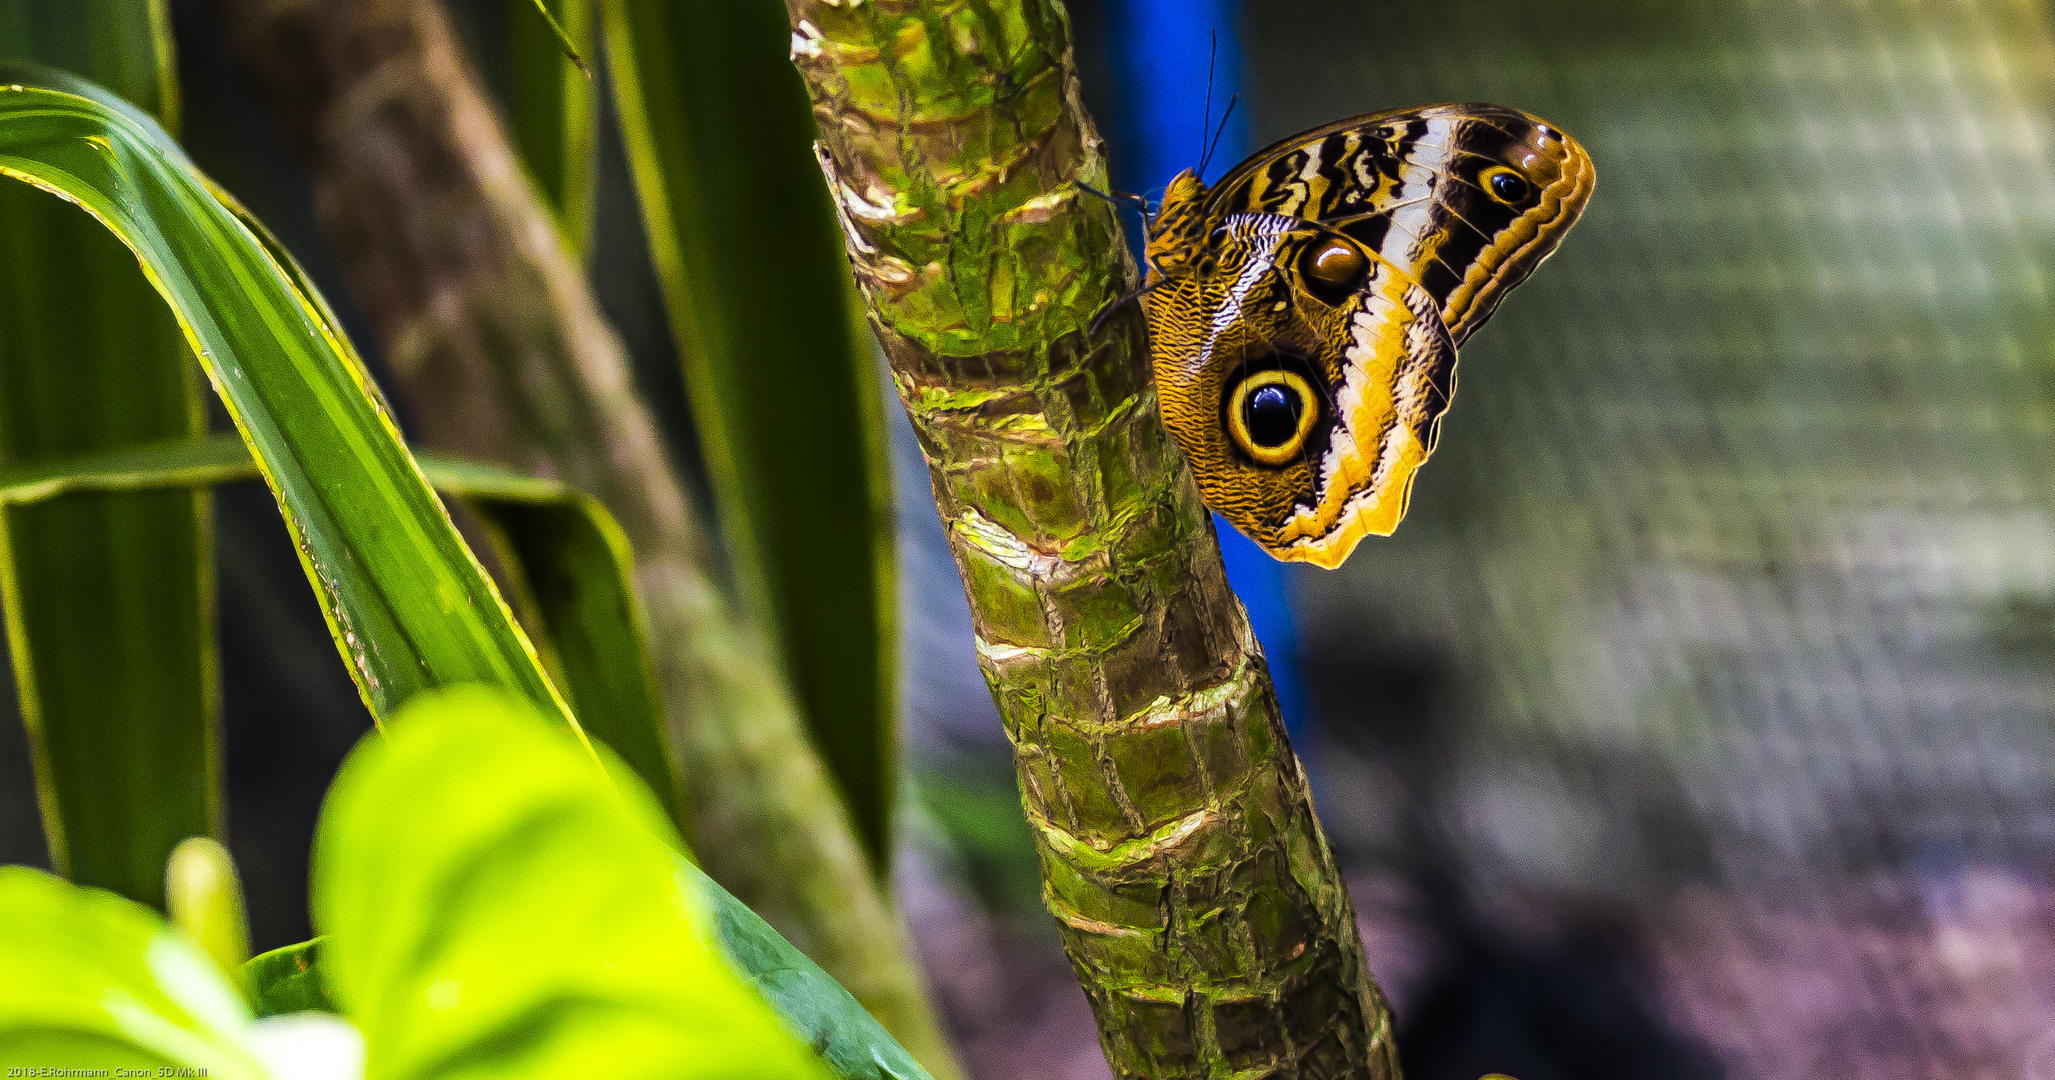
{"x":1270,"y":415}
{"x":1333,"y":269}
{"x":1506,"y":185}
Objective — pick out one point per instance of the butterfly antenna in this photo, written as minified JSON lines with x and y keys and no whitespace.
{"x":1215,"y":144}
{"x":1206,"y":119}
{"x":1117,"y":198}
{"x":1121,"y":303}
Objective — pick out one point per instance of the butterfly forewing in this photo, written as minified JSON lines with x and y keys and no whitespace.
{"x":1411,"y":185}
{"x":1308,"y":307}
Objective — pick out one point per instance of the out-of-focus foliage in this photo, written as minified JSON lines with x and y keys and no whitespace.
{"x":552,"y":107}
{"x":89,"y":980}
{"x":567,"y":566}
{"x":812,"y":1005}
{"x":91,"y":360}
{"x":571,"y":573}
{"x":780,"y":369}
{"x":408,"y":603}
{"x":474,"y":825}
{"x":288,"y":980}
{"x":205,"y":901}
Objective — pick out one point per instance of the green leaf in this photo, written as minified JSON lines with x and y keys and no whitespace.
{"x":90,"y":359}
{"x":182,"y":463}
{"x":563,"y":37}
{"x":123,"y":45}
{"x":575,"y":569}
{"x":89,"y":980}
{"x":288,"y":980}
{"x":494,"y":907}
{"x":407,"y":602}
{"x":552,"y":109}
{"x":813,"y":1005}
{"x":780,"y":369}
{"x":566,"y":550}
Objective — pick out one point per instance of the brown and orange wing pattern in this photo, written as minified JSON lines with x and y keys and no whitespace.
{"x":1467,"y":198}
{"x":1307,"y":309}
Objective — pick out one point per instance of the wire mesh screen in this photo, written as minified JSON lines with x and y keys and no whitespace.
{"x":1721,"y":638}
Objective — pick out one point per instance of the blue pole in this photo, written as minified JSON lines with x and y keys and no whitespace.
{"x":1159,"y":54}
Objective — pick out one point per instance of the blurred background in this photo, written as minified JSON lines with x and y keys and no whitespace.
{"x":1700,"y":721}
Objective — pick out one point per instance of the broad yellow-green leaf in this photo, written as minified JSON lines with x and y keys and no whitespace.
{"x":493,"y":905}
{"x":89,"y":980}
{"x":408,"y":603}
{"x":552,"y":108}
{"x":565,"y":550}
{"x":779,"y":367}
{"x":108,"y":597}
{"x":537,"y":792}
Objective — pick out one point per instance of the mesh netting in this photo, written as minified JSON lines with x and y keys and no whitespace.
{"x":1722,"y":632}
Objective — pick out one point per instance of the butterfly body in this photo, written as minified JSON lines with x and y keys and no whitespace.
{"x":1304,"y":312}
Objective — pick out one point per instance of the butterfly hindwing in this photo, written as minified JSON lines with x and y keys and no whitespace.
{"x":1364,"y":377}
{"x":1306,"y":309}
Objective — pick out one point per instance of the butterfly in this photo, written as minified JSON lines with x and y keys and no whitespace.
{"x":1304,"y":312}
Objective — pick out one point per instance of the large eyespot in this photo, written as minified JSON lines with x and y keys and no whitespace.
{"x":1270,"y":415}
{"x":1333,"y":270}
{"x":1505,"y":185}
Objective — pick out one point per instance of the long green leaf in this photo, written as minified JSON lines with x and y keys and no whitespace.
{"x":781,"y":373}
{"x":123,"y":45}
{"x":185,"y":463}
{"x":574,"y":563}
{"x":552,"y":109}
{"x":108,"y":597}
{"x":565,"y":38}
{"x":812,"y":1004}
{"x":408,"y":603}
{"x":564,"y":547}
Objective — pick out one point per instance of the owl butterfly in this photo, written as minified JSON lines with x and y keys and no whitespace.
{"x":1304,"y":312}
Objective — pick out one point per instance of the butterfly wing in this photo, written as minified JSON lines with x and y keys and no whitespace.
{"x":1466,"y":198}
{"x":1304,"y":409}
{"x":1305,"y":351}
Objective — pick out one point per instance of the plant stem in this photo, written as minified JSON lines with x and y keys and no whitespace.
{"x":1195,"y":893}
{"x":499,"y":348}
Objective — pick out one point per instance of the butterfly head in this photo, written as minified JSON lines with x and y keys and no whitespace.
{"x":1178,"y":225}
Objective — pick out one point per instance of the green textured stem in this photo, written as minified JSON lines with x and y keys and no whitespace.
{"x":498,"y":345}
{"x":1198,"y":900}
